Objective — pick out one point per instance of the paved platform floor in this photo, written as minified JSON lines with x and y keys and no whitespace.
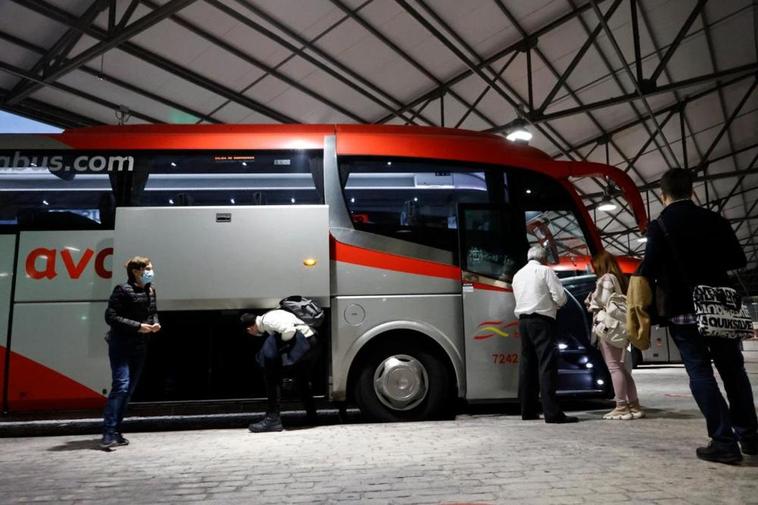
{"x":478,"y":458}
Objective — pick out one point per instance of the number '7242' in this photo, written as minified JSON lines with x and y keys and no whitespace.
{"x":502,"y":358}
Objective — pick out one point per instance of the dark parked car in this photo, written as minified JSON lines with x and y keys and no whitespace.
{"x":582,"y":371}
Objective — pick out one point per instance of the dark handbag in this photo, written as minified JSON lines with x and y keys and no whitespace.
{"x":719,"y":311}
{"x":295,"y":349}
{"x":291,"y":352}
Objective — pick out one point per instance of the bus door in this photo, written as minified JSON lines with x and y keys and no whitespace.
{"x":492,"y":248}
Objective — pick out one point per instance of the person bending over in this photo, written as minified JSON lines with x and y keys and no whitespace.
{"x":289,"y":344}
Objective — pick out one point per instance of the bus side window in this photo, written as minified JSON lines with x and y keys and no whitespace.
{"x":416,"y":200}
{"x":488,"y":247}
{"x":550,"y":217}
{"x":38,"y":195}
{"x":223,"y":178}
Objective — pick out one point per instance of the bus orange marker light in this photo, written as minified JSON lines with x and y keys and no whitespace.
{"x":309,"y":262}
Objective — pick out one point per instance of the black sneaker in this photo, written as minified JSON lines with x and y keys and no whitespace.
{"x":311,"y":418}
{"x":749,"y":445}
{"x":272,"y":422}
{"x":120,"y":439}
{"x":563,"y":420}
{"x":719,"y":455}
{"x":108,"y":441}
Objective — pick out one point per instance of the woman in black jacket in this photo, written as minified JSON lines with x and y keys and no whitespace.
{"x":132,"y":315}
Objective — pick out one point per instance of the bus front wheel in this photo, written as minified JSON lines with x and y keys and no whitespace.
{"x":403,"y":383}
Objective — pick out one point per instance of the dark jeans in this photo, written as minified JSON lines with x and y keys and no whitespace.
{"x":127,"y":361}
{"x":273,"y":370}
{"x":538,"y":367}
{"x":726,"y":424}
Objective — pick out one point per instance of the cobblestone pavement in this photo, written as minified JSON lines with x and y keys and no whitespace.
{"x":482,"y":459}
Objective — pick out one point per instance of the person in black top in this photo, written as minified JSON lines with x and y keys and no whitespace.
{"x":696,"y":246}
{"x":132,"y":315}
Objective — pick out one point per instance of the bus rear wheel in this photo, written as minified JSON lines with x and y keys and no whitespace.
{"x":402,"y":383}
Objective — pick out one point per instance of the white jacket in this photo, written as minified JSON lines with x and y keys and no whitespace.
{"x":282,"y":322}
{"x":604,"y":288}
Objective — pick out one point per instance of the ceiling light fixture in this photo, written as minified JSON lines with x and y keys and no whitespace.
{"x":607,"y":204}
{"x":517,"y":132}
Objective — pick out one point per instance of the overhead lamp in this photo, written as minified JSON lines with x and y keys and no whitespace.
{"x":517,"y":132}
{"x":607,"y":204}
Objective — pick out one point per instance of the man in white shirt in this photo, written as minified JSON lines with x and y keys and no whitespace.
{"x":539,"y":294}
{"x":289,"y":342}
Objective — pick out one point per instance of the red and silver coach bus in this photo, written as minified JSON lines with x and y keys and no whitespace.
{"x":408,"y":236}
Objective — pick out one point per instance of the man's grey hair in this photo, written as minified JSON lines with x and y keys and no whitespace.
{"x":537,"y":252}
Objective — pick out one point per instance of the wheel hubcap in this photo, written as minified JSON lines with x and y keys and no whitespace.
{"x":401,"y":382}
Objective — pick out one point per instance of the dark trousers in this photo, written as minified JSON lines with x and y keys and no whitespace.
{"x":538,"y":367}
{"x":726,"y":424}
{"x":273,"y":370}
{"x":127,"y":361}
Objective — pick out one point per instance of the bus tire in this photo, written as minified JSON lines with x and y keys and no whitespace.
{"x":403,"y":383}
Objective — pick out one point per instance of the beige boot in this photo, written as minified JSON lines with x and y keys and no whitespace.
{"x":620,"y":413}
{"x":636,"y":410}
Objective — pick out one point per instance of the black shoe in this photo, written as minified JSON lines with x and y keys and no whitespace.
{"x":311,"y":418}
{"x":120,"y":440}
{"x":108,"y":441}
{"x":272,"y":422}
{"x":563,"y":420}
{"x":749,"y":445}
{"x":530,"y":417}
{"x":718,"y":455}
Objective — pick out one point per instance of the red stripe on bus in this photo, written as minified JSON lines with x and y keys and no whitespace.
{"x":488,"y":287}
{"x":33,"y":386}
{"x":386,"y":261}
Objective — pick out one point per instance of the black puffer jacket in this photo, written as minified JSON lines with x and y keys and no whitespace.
{"x":128,"y":307}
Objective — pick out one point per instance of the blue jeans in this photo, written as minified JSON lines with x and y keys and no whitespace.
{"x":127,"y":361}
{"x":726,"y":424}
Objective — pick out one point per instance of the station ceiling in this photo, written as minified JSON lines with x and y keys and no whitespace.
{"x":645,"y":85}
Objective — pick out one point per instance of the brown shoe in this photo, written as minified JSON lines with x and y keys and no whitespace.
{"x":620,"y":413}
{"x":636,"y":410}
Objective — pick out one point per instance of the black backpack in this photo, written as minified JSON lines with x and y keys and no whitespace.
{"x":307,"y":310}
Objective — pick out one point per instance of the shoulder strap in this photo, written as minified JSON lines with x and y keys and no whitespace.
{"x":674,"y":251}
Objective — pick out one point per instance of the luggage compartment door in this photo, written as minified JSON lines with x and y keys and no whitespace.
{"x":230,"y":257}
